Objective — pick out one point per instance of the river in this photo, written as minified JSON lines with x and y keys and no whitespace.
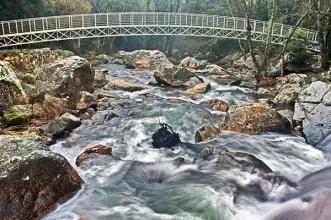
{"x":141,"y":182}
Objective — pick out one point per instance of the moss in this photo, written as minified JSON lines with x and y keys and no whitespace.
{"x":12,"y":117}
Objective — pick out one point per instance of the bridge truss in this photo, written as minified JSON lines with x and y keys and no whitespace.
{"x":56,"y":28}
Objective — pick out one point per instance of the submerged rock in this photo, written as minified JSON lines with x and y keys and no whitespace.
{"x":177,"y":77}
{"x":33,"y":180}
{"x":255,"y":118}
{"x":10,"y":87}
{"x":216,"y":104}
{"x":92,"y":152}
{"x":165,"y":137}
{"x":314,"y":110}
{"x":207,"y":132}
{"x":66,"y":77}
{"x":65,"y":123}
{"x":146,"y":59}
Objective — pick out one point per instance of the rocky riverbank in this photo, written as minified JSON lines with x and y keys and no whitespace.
{"x":64,"y":93}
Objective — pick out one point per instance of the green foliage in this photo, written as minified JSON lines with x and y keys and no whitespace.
{"x":65,"y":7}
{"x":14,"y":117}
{"x":296,"y":48}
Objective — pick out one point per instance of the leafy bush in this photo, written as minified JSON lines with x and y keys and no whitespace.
{"x":296,"y":48}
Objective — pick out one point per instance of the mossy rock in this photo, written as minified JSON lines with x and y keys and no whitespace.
{"x":15,"y":117}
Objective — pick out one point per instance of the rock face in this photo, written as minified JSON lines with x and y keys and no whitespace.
{"x":93,"y":152}
{"x":66,"y":77}
{"x":147,"y":59}
{"x":213,"y":69}
{"x":10,"y":87}
{"x":65,"y":123}
{"x":289,"y":87}
{"x":177,"y":77}
{"x":199,"y":88}
{"x":216,"y":104}
{"x":313,"y":108}
{"x":33,"y":180}
{"x":190,"y":62}
{"x":207,"y":132}
{"x":86,"y":100}
{"x":255,"y":117}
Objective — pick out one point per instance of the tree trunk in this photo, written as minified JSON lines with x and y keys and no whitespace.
{"x":256,"y":65}
{"x":269,"y":35}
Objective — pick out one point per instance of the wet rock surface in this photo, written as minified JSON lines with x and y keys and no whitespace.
{"x":255,"y":118}
{"x":207,"y":132}
{"x":199,"y":88}
{"x":33,"y":180}
{"x":93,"y":152}
{"x":125,"y":86}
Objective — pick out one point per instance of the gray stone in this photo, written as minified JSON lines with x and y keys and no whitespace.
{"x":315,"y":92}
{"x":190,"y":62}
{"x":33,"y":180}
{"x":65,"y":123}
{"x":118,"y":61}
{"x":66,"y":77}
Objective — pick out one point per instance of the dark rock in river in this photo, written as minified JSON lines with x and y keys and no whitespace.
{"x":65,"y":123}
{"x":165,"y":137}
{"x":313,"y":108}
{"x":93,"y":152}
{"x":255,"y":118}
{"x":33,"y":180}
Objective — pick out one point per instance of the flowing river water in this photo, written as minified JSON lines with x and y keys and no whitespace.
{"x":141,"y":182}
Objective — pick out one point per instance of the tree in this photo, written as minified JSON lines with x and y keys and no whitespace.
{"x":67,"y":7}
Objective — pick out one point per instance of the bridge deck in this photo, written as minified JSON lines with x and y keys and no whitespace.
{"x":55,"y":28}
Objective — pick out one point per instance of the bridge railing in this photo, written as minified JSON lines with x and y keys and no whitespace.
{"x":45,"y":24}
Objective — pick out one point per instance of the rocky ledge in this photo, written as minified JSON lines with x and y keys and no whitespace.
{"x":33,"y":180}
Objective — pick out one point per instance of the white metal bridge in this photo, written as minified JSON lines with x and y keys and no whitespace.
{"x":56,"y":28}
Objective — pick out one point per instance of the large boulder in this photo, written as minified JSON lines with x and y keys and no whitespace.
{"x":146,"y":59}
{"x":10,"y":87}
{"x":177,"y":77}
{"x":33,"y":180}
{"x":289,"y":87}
{"x":255,"y":118}
{"x":165,"y":137}
{"x":66,"y":77}
{"x":313,"y":108}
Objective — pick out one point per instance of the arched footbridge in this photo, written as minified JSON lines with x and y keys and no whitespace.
{"x":56,"y":28}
